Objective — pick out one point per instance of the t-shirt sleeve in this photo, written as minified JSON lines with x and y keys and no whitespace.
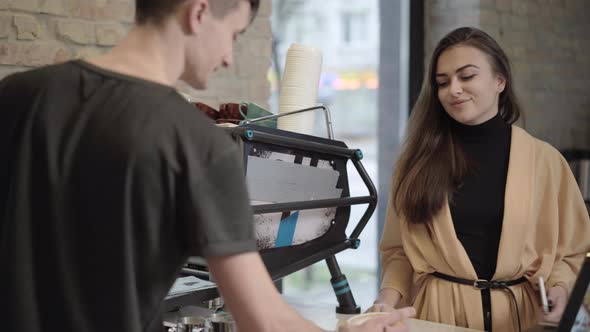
{"x":216,"y":207}
{"x":4,"y":94}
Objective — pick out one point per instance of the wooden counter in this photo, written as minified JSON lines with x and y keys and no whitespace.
{"x":325,"y":317}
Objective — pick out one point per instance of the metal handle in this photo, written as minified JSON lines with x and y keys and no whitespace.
{"x":372,"y":204}
{"x":323,"y":107}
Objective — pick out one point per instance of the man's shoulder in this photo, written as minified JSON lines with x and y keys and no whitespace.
{"x":194,"y":127}
{"x":34,"y":78}
{"x":170,"y":121}
{"x":170,"y":108}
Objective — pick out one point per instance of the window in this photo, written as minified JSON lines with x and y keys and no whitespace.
{"x":348,"y":86}
{"x":354,"y":27}
{"x":305,"y":28}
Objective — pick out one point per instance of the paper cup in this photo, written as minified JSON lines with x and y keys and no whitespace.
{"x":299,"y":88}
{"x":362,"y":318}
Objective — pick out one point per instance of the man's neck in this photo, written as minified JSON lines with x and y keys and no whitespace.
{"x":148,"y":53}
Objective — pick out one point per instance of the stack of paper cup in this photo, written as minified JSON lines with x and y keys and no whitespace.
{"x":299,"y":88}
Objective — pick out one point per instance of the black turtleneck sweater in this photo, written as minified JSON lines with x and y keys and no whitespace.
{"x":477,"y":208}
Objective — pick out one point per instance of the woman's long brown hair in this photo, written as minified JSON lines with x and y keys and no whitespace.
{"x":432,"y":164}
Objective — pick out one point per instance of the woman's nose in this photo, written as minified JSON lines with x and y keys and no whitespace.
{"x":228,"y":60}
{"x":456,"y":87}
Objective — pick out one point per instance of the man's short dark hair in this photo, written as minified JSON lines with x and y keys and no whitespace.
{"x":155,"y":11}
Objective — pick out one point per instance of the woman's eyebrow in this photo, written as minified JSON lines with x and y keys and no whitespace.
{"x":458,"y":70}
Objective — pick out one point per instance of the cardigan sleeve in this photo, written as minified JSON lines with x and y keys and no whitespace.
{"x":397,"y":270}
{"x":574,"y":228}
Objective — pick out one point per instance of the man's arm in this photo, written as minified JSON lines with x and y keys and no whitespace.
{"x":251,"y":296}
{"x":257,"y":306}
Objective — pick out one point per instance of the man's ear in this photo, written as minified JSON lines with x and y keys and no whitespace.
{"x":501,"y":83}
{"x":194,"y":13}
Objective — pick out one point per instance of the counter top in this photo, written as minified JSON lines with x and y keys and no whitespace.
{"x":324,"y":316}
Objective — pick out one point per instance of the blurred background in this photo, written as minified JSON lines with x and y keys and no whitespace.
{"x":347,"y":33}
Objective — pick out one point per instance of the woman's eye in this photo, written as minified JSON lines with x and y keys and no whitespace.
{"x":468,"y":77}
{"x":441,"y":84}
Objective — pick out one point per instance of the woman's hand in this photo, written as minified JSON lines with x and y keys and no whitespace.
{"x":381,"y":307}
{"x":393,"y":322}
{"x":386,"y":302}
{"x":558,"y":296}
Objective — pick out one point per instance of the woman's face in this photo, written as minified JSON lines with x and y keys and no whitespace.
{"x":468,"y":88}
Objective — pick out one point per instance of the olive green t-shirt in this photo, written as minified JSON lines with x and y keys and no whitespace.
{"x":107,"y":184}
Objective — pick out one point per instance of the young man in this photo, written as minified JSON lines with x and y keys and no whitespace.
{"x":109,"y":180}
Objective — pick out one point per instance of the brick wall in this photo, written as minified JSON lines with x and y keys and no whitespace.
{"x":40,"y":32}
{"x":548,"y":42}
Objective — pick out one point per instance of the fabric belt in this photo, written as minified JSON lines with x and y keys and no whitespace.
{"x":485,"y":286}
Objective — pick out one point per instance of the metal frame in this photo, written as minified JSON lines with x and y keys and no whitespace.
{"x":249,"y":132}
{"x":354,"y":155}
{"x":323,"y":107}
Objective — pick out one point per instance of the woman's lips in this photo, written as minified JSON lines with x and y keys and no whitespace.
{"x":459,"y":102}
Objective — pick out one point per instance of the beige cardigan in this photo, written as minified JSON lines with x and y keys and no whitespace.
{"x":545,"y":232}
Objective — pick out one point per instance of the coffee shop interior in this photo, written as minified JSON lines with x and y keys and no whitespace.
{"x":365,"y":63}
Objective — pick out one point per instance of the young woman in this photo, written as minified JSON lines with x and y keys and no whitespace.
{"x":479,"y":209}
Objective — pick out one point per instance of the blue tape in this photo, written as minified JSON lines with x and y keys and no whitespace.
{"x":340,"y":284}
{"x":287,"y":230}
{"x":342,"y":291}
